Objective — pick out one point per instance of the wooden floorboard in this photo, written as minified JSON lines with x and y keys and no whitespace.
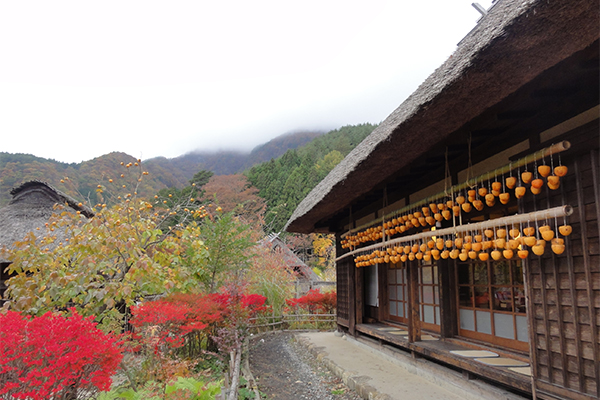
{"x":440,"y":351}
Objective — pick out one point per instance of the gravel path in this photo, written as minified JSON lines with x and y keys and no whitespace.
{"x":285,"y":370}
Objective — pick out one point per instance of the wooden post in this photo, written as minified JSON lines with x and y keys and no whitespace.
{"x":384,"y":306}
{"x":448,"y":311}
{"x":414,"y":322}
{"x":352,"y":298}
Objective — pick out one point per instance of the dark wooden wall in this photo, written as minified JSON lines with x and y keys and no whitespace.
{"x":564,"y":290}
{"x":343,"y":270}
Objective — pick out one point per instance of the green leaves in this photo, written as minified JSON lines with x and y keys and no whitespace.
{"x":188,"y":388}
{"x":228,"y":245}
{"x":198,"y":388}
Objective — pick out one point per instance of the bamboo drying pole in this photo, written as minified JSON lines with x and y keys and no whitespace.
{"x":550,"y":213}
{"x":538,"y":155}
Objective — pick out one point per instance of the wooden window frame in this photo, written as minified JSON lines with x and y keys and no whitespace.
{"x":490,"y":286}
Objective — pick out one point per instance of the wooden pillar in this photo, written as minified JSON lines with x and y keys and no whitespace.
{"x":384,"y":307}
{"x":414,"y":323}
{"x":448,"y":307}
{"x":352,"y":298}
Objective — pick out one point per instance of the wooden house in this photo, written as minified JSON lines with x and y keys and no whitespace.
{"x":306,"y":278}
{"x":446,"y":245}
{"x":31,"y":207}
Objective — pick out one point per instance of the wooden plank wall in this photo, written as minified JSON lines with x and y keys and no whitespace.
{"x":343,"y":269}
{"x":564,"y":290}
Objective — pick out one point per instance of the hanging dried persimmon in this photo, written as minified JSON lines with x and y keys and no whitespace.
{"x":511,"y":182}
{"x":544,"y":170}
{"x":560,"y":170}
{"x":520,"y":191}
{"x":565,"y":230}
{"x":496,"y":255}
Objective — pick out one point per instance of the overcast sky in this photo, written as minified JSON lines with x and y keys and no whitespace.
{"x":79,"y":79}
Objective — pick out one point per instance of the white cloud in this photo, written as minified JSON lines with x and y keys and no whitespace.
{"x":150,"y":78}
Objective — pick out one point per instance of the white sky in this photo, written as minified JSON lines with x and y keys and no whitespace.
{"x":79,"y":79}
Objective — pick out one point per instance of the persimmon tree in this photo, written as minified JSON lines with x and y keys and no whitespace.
{"x":324,"y":254}
{"x":175,"y":199}
{"x":102,"y":265}
{"x":126,"y":252}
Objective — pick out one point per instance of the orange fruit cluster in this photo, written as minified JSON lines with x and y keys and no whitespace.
{"x":496,"y":243}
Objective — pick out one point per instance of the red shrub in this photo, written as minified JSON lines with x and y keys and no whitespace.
{"x":180,"y":314}
{"x":179,"y":318}
{"x":42,"y":357}
{"x":315,"y":302}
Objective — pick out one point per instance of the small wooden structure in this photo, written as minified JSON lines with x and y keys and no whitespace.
{"x":521,"y":91}
{"x":306,"y":279}
{"x":31,"y":207}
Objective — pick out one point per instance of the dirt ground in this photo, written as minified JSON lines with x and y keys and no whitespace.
{"x":284,"y":370}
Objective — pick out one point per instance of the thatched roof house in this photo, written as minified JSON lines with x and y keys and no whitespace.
{"x":30,"y":209}
{"x":520,"y":95}
{"x":475,"y":90}
{"x":32,"y":205}
{"x":292,"y":261}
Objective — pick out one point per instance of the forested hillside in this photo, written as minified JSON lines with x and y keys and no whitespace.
{"x":83,"y":178}
{"x":285,"y":181}
{"x":163,"y":173}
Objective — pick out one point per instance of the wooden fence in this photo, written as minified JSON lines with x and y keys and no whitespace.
{"x":293,"y":322}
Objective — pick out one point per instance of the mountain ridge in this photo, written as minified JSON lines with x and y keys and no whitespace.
{"x":17,"y":168}
{"x":227,"y":162}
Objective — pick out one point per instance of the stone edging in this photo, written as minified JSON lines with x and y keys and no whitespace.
{"x":358,"y":383}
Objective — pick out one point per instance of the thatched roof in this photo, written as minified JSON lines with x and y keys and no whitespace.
{"x":514,"y":43}
{"x":31,"y":207}
{"x":292,"y":261}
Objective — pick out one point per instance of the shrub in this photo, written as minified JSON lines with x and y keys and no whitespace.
{"x":54,"y":355}
{"x":186,"y":320}
{"x":315,"y":302}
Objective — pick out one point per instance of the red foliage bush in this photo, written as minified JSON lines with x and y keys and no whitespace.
{"x":42,"y":357}
{"x":177,"y":315}
{"x":181,"y":318}
{"x":315,"y":302}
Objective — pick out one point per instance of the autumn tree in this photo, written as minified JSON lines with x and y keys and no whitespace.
{"x":235,"y":193}
{"x":124,"y":253}
{"x":317,"y":250}
{"x":189,"y":195}
{"x":324,"y":254}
